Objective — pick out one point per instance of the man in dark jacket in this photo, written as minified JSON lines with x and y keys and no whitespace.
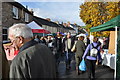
{"x":58,"y":48}
{"x":34,"y":60}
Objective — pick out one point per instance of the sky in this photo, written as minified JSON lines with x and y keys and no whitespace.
{"x":61,"y":11}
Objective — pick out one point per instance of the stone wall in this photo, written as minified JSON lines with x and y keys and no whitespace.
{"x":7,"y":16}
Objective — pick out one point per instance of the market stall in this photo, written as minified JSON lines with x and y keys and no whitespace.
{"x":111,"y":25}
{"x":36,"y":29}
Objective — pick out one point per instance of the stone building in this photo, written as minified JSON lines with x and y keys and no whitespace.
{"x":12,"y":13}
{"x":48,"y":25}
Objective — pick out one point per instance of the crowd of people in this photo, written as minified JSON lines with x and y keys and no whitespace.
{"x":39,"y":57}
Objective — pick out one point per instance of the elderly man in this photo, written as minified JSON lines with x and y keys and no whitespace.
{"x":34,"y":60}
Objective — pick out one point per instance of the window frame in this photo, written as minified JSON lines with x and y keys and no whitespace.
{"x":15,"y":12}
{"x":5,"y":34}
{"x":26,"y":17}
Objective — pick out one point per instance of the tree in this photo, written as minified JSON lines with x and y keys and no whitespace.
{"x":97,"y":13}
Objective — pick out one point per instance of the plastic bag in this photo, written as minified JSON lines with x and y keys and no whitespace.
{"x":82,"y":65}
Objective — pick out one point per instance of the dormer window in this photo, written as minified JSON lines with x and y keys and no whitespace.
{"x":15,"y":12}
{"x":26,"y":17}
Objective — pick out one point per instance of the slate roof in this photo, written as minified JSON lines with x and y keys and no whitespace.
{"x":45,"y":22}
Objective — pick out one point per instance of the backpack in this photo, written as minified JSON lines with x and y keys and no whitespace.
{"x":94,"y":51}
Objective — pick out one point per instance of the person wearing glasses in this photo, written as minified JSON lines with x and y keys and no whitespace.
{"x":33,"y":60}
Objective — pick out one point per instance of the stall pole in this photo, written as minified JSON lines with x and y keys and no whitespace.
{"x":115,"y":51}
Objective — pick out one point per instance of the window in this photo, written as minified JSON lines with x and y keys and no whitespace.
{"x":26,"y":17}
{"x":5,"y":35}
{"x":15,"y":12}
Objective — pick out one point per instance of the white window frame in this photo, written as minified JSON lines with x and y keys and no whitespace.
{"x":26,"y":17}
{"x":15,"y":12}
{"x":6,"y":33}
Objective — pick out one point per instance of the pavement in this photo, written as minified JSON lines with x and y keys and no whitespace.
{"x":102,"y":72}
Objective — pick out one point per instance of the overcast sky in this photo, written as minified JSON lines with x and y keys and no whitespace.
{"x":62,"y":11}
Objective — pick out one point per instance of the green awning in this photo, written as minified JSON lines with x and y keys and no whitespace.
{"x":110,"y":25}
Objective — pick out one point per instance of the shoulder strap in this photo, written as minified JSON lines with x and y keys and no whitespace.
{"x":97,"y":45}
{"x":94,"y":46}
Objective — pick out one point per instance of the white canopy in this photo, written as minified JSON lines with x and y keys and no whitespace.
{"x":36,"y":28}
{"x":34,"y":25}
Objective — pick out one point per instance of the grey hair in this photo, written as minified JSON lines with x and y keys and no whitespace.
{"x":21,"y":29}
